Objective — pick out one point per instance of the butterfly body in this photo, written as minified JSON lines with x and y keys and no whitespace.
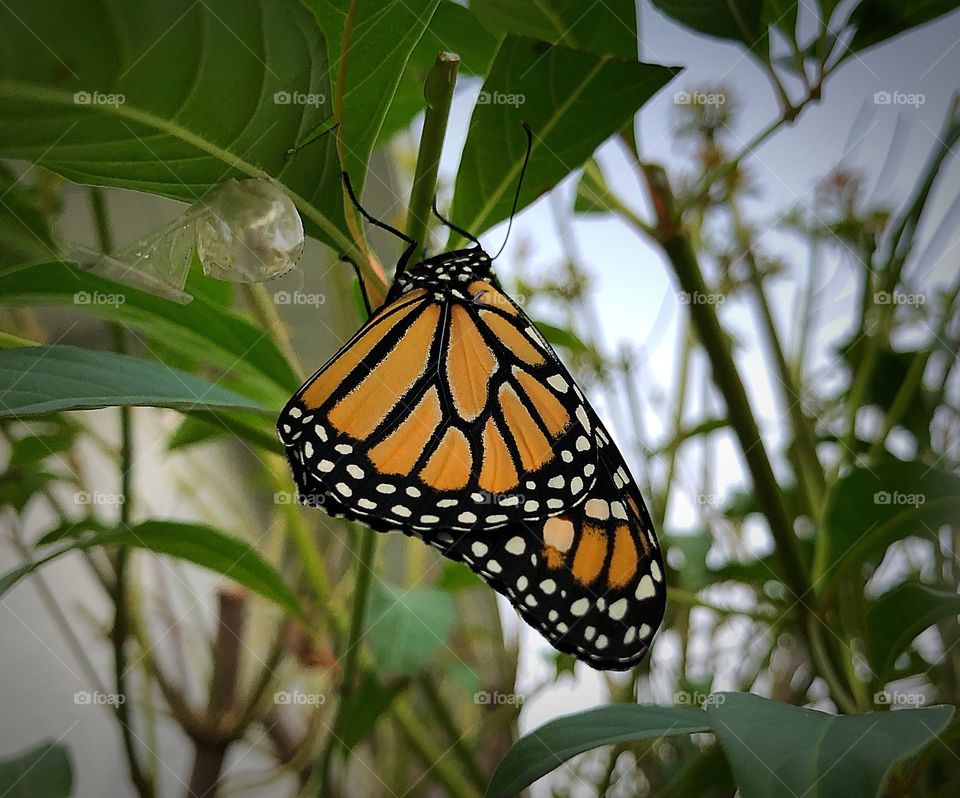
{"x":449,"y":417}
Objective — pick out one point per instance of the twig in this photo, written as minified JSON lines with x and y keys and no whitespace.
{"x":212,"y":744}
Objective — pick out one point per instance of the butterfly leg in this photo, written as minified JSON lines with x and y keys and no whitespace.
{"x":363,"y":285}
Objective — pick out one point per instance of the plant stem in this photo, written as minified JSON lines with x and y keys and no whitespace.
{"x":429,"y":754}
{"x":121,"y":631}
{"x":683,"y":375}
{"x":810,"y":471}
{"x":351,"y":657}
{"x":725,"y":374}
{"x":459,"y":749}
{"x":438,"y":92}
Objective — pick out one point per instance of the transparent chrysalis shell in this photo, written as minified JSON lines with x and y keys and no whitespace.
{"x":247,"y":231}
{"x":250,"y":233}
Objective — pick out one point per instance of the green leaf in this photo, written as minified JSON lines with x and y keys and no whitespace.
{"x":42,"y":771}
{"x":573,"y":101}
{"x":879,"y":20}
{"x":43,"y":379}
{"x":782,"y":14}
{"x":897,"y":617}
{"x":406,"y":627}
{"x":196,"y":543}
{"x":201,"y":330}
{"x":737,"y":20}
{"x":872,"y":507}
{"x":545,"y":749}
{"x":173,"y":99}
{"x":201,"y":427}
{"x":453,"y":28}
{"x":686,"y":433}
{"x":370,"y":43}
{"x":457,"y":576}
{"x":593,"y":195}
{"x":562,"y":337}
{"x":776,"y":749}
{"x":609,"y":28}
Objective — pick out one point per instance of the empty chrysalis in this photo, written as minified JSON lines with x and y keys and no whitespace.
{"x":247,"y":231}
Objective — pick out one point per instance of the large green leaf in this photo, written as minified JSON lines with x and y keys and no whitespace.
{"x":406,"y":627}
{"x":878,"y":20}
{"x":35,"y":380}
{"x":777,"y":749}
{"x":897,"y":617}
{"x":202,"y":330}
{"x":738,"y":20}
{"x":572,"y":101}
{"x":454,"y":29}
{"x":545,"y":749}
{"x":608,"y":28}
{"x":873,"y":506}
{"x":196,"y":543}
{"x":369,"y":45}
{"x":172,"y":98}
{"x":42,"y":771}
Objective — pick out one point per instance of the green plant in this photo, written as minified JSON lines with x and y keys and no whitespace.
{"x":388,"y":645}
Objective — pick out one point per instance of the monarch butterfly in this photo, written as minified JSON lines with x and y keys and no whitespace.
{"x":449,"y":417}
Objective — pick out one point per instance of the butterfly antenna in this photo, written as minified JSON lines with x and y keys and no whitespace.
{"x":375,"y":222}
{"x":516,"y":197}
{"x":452,"y":226}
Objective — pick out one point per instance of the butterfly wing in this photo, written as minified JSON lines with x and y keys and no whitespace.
{"x":591,"y":579}
{"x":447,"y":410}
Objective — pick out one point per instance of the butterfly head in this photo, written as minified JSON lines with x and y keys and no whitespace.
{"x":448,"y":271}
